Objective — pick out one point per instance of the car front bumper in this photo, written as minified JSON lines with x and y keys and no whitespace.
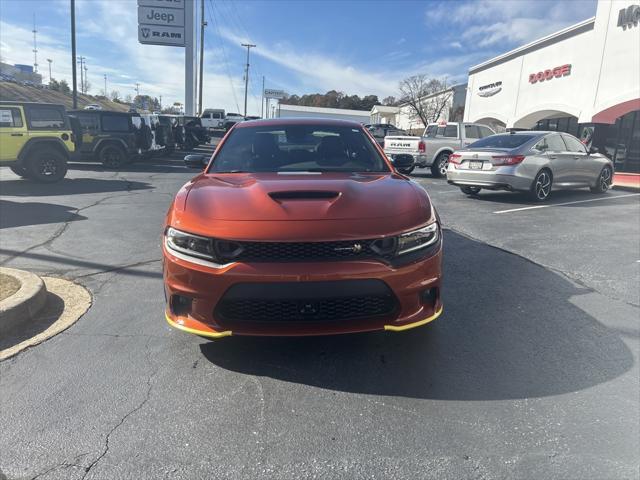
{"x":415,"y":289}
{"x":502,"y":178}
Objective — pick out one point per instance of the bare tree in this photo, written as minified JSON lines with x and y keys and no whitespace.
{"x":389,"y":101}
{"x":115,"y":95}
{"x":417,"y":93}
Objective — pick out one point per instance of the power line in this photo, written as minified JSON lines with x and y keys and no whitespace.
{"x":210,"y":11}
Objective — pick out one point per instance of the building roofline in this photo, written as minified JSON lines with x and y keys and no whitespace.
{"x":338,"y":111}
{"x":555,"y":37}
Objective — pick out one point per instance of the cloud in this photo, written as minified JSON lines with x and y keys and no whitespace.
{"x":489,"y":23}
{"x":456,"y":44}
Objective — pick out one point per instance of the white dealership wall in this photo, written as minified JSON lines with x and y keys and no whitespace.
{"x":604,"y":78}
{"x":297,"y":111}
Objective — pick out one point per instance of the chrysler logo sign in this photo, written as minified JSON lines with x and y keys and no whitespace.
{"x":629,"y":16}
{"x":490,"y":89}
{"x":557,"y":72}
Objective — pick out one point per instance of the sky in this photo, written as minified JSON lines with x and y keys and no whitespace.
{"x":303,"y":46}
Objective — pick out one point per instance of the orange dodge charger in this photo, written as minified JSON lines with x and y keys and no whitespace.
{"x":300,"y":227}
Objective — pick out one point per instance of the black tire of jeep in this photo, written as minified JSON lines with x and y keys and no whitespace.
{"x":19,"y":170}
{"x":46,"y":165}
{"x":113,"y":156}
{"x":440,"y":164}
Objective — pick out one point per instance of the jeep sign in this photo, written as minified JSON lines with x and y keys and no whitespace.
{"x":159,"y":35}
{"x":170,"y":17}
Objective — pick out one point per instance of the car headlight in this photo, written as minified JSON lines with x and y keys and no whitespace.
{"x":189,"y":244}
{"x":421,"y":238}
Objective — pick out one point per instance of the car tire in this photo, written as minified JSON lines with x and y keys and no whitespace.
{"x":439,"y":167}
{"x":467,"y":190}
{"x":113,"y":156}
{"x":541,"y":186}
{"x":407,"y":171}
{"x":19,"y":170}
{"x":46,"y":166}
{"x":604,"y":181}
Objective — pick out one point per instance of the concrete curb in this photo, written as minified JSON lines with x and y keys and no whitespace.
{"x":24,"y":305}
{"x":66,"y":303}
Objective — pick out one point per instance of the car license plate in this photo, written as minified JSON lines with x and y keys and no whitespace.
{"x":475,"y":165}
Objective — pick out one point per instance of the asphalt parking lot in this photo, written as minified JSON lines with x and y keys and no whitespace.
{"x":531,"y":372}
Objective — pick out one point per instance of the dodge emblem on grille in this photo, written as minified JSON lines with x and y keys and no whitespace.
{"x":355,"y":248}
{"x":307,"y":308}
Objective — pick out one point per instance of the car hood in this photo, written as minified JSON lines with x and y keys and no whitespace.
{"x":312,"y":206}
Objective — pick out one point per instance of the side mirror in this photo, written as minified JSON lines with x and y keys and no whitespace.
{"x":403,"y":162}
{"x":195,"y":161}
{"x":594,"y":150}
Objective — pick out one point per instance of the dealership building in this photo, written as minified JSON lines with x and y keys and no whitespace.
{"x":584,"y":80}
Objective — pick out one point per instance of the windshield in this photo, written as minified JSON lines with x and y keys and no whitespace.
{"x":502,"y":141}
{"x":298,"y":148}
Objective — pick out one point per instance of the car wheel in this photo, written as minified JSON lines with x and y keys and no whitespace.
{"x":113,"y":156}
{"x":46,"y":166}
{"x":604,"y":181}
{"x":470,"y":190}
{"x":541,"y":186}
{"x":19,"y":170}
{"x":407,"y":171}
{"x":439,"y":167}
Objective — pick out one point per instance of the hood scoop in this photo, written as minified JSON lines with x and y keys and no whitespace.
{"x":303,"y":195}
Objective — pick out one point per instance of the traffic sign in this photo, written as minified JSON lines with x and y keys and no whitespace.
{"x":161,"y":35}
{"x":270,"y":93}
{"x":169,"y":17}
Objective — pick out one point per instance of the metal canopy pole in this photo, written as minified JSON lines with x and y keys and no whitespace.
{"x":189,"y":58}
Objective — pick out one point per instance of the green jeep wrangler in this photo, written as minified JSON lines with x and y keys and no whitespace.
{"x":36,"y":140}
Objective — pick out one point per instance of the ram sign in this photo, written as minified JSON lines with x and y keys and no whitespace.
{"x":161,"y":22}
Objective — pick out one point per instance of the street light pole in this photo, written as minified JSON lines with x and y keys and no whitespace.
{"x":73,"y":53}
{"x":246,"y":75}
{"x":49,"y":60}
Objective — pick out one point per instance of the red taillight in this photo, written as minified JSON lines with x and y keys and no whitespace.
{"x":507,"y":159}
{"x":421,"y":147}
{"x":455,"y":158}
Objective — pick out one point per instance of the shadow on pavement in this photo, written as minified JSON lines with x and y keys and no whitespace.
{"x":522,"y":199}
{"x":509,"y":331}
{"x":16,"y":214}
{"x":51,"y":312}
{"x":69,"y":186}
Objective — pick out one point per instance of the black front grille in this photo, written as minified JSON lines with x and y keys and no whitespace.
{"x":297,"y":251}
{"x":306,"y":301}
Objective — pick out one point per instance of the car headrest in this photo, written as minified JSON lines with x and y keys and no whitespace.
{"x":331,"y":147}
{"x":264,"y":144}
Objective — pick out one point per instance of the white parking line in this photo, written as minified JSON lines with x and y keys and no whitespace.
{"x":566,"y":203}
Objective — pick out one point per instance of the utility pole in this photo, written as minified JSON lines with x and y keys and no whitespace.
{"x":105,"y":86}
{"x":35,"y":46}
{"x":50,"y":61}
{"x":137,"y":89}
{"x":161,"y":103}
{"x":86,"y":79}
{"x":81,"y":62}
{"x":262,"y":102}
{"x":246,"y":75}
{"x":202,"y":25}
{"x":73,"y":53}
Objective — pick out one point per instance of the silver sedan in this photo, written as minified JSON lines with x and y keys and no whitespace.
{"x":534,"y":162}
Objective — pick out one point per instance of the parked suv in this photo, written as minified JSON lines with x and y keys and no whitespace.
{"x":109,"y":137}
{"x":36,"y":140}
{"x":433,"y":148}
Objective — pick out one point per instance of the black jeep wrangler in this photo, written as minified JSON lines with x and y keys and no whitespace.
{"x":109,"y":137}
{"x":194,"y":133}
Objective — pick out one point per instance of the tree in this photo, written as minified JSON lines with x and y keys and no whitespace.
{"x":128,"y":99}
{"x":64,"y":87}
{"x":115,"y":96}
{"x":389,"y":101}
{"x":54,"y":85}
{"x":415,"y":89}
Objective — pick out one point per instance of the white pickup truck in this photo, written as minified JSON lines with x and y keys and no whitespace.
{"x":217,"y":119}
{"x":433,"y":148}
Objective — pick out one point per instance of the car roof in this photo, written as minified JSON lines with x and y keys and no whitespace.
{"x":100,"y":111}
{"x":281,"y":122}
